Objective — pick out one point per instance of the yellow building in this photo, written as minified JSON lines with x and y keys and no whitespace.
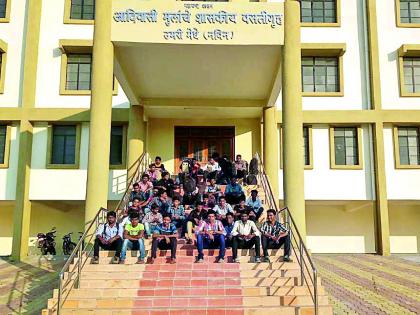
{"x":328,"y":91}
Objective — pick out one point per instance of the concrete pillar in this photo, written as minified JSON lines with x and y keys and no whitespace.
{"x":293,"y":164}
{"x":382,"y":215}
{"x":22,"y":211}
{"x":271,"y":149}
{"x":136,"y":135}
{"x":101,"y":108}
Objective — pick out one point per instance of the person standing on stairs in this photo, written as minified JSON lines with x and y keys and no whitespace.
{"x":133,"y":239}
{"x":211,"y":234}
{"x":274,"y":235}
{"x":109,"y":237}
{"x":164,"y":237}
{"x":245,"y":235}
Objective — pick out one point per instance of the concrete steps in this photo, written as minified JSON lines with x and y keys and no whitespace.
{"x":265,"y":310}
{"x":190,"y":288}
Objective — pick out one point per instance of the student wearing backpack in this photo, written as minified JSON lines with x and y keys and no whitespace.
{"x":109,"y":237}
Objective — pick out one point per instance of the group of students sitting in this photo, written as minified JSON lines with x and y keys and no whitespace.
{"x":213,"y":211}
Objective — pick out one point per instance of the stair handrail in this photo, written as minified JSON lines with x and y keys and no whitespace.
{"x":82,"y":252}
{"x":303,"y":256}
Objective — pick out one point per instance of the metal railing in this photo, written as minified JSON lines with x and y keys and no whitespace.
{"x":308,"y":272}
{"x":70,"y":274}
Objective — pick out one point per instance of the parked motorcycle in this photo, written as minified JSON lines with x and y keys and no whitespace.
{"x":68,"y":245}
{"x":46,"y":242}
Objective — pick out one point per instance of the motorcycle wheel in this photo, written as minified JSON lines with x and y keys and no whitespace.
{"x":43,"y":251}
{"x":71,"y":248}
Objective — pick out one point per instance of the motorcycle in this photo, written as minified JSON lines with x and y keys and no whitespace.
{"x":68,"y":245}
{"x":46,"y":242}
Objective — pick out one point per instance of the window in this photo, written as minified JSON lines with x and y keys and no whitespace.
{"x":411,"y":74}
{"x":346,"y":149}
{"x":306,"y":147}
{"x":409,"y":11}
{"x":64,"y":145}
{"x":320,"y":74}
{"x":319,"y":11}
{"x":79,"y":71}
{"x":4,"y":145}
{"x":408,"y":146}
{"x":118,"y":146}
{"x":82,"y":9}
{"x":3,"y":9}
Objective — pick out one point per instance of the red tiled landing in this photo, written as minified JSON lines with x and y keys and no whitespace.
{"x":190,"y":274}
{"x":199,"y":282}
{"x":193,"y":302}
{"x":191,"y":292}
{"x":192,"y":266}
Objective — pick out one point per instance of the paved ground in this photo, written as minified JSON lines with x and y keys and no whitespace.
{"x":370,"y":284}
{"x":357,"y":284}
{"x":26,"y":286}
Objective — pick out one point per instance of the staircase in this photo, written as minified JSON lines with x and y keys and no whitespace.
{"x":191,"y":288}
{"x":188,"y":287}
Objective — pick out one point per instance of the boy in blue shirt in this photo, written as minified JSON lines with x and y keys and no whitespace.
{"x":164,"y":237}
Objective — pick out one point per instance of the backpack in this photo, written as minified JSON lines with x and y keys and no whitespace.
{"x":251,"y":179}
{"x":189,"y":185}
{"x":253,"y":166}
{"x":186,"y":166}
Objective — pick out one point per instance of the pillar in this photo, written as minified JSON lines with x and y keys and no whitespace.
{"x":100,"y":111}
{"x":22,"y":210}
{"x":271,"y":149}
{"x":382,"y":215}
{"x":136,"y":135}
{"x":292,"y":126}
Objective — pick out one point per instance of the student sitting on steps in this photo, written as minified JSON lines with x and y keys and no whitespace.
{"x":165,"y":237}
{"x":133,"y":239}
{"x":245,"y":235}
{"x":274,"y":235}
{"x":211,"y":234}
{"x":108,"y":237}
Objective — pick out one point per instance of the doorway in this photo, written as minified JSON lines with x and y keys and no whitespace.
{"x":202,"y":142}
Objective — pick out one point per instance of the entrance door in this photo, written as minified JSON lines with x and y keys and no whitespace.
{"x":202,"y":142}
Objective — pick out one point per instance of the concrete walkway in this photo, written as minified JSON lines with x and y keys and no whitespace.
{"x":25,"y":287}
{"x":370,"y":284}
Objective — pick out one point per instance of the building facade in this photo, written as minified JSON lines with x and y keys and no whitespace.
{"x":327,"y":90}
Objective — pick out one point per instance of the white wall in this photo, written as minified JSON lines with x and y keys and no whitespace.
{"x":390,"y":40}
{"x":324,"y":183}
{"x":401,"y":183}
{"x":66,"y":184}
{"x":352,"y":231}
{"x":12,"y":34}
{"x":49,"y":62}
{"x":8,"y":175}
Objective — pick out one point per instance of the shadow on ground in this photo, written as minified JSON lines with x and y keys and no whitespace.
{"x":26,"y":286}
